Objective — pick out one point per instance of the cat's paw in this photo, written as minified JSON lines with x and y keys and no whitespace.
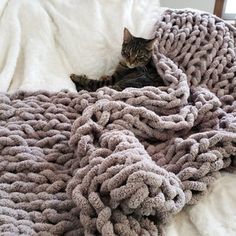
{"x":78,"y":78}
{"x":105,"y":77}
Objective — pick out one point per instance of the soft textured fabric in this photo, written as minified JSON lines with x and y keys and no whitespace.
{"x":42,"y":42}
{"x":122,"y":163}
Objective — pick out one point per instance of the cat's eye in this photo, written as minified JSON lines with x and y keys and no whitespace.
{"x":144,"y":58}
{"x":124,"y":54}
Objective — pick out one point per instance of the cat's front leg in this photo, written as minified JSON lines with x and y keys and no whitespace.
{"x":105,"y":78}
{"x":83,"y":82}
{"x":78,"y":78}
{"x":80,"y":81}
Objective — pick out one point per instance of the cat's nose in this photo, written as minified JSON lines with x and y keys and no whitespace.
{"x":131,"y":61}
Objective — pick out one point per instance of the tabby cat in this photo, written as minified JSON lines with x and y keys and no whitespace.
{"x":134,"y":70}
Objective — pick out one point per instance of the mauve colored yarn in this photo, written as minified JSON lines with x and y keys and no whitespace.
{"x":121,"y":163}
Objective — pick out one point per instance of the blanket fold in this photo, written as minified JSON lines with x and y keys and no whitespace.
{"x":122,"y":163}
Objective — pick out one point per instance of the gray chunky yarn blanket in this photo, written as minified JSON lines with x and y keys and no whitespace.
{"x":121,"y":163}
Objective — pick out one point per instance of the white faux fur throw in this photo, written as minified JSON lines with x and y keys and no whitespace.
{"x":43,"y":41}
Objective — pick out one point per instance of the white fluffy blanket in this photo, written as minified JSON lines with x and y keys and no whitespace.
{"x":43,"y":41}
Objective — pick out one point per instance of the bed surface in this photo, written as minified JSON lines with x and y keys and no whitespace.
{"x":43,"y":42}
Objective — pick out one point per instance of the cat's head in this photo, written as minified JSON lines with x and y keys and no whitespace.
{"x":136,"y":52}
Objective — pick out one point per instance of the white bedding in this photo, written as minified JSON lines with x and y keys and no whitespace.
{"x":214,"y":215}
{"x":42,"y":42}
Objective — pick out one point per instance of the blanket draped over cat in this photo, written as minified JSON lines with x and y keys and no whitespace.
{"x":121,"y":163}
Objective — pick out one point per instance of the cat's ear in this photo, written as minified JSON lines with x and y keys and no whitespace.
{"x":150,"y":44}
{"x":127,"y":36}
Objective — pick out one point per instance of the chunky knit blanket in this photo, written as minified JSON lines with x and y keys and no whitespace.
{"x":121,"y":163}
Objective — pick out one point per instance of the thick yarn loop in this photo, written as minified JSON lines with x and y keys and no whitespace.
{"x":125,"y":179}
{"x":122,"y":163}
{"x":203,"y":46}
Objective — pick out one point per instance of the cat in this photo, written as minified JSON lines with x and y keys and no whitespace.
{"x":135,"y":70}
